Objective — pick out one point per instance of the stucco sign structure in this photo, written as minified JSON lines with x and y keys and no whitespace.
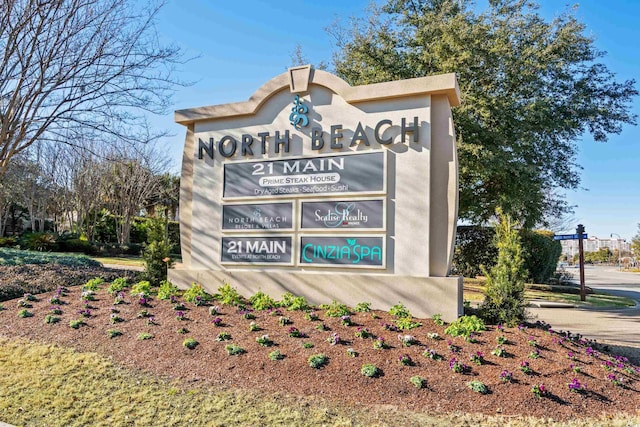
{"x":325,"y":190}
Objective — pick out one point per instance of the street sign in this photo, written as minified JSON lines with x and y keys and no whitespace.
{"x":569,"y":236}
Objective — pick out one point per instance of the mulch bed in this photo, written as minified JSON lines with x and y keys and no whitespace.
{"x":340,"y":379}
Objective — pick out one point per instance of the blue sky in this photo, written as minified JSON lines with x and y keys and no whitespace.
{"x":240,"y":45}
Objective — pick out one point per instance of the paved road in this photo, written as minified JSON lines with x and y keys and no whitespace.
{"x":618,"y":326}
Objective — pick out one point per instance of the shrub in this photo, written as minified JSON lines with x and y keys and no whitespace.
{"x":190,"y":343}
{"x":118,"y":285}
{"x":234,"y":349}
{"x":167,"y":290}
{"x":335,"y":309}
{"x":317,"y":360}
{"x":76,"y":245}
{"x":504,"y":300}
{"x":437,"y":319}
{"x":41,"y":242}
{"x":196,"y":294}
{"x":8,"y":242}
{"x":112,"y":333}
{"x":418,"y":381}
{"x":369,"y":370}
{"x":143,"y":287}
{"x":407,"y":323}
{"x":94,"y":284}
{"x":24,"y":313}
{"x":276,"y":355}
{"x":294,"y":303}
{"x":478,"y":387}
{"x":362,"y":307}
{"x":262,"y":301}
{"x":465,"y":326}
{"x":229,"y":295}
{"x":156,"y":253}
{"x":399,"y":311}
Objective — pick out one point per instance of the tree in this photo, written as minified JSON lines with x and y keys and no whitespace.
{"x":530,"y":89}
{"x":504,"y":296}
{"x":74,"y":68}
{"x":635,"y":243}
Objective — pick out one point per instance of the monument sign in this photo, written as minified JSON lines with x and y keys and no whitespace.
{"x":325,"y":190}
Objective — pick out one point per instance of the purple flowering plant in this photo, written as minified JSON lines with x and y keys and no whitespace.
{"x":333,"y":339}
{"x":506,"y":376}
{"x":405,"y":360}
{"x":379,"y":344}
{"x":363,"y":333}
{"x":432,"y":354}
{"x":217,"y":321}
{"x":458,"y":367}
{"x":575,"y":386}
{"x":524,"y":367}
{"x":539,"y":390}
{"x":295,"y":332}
{"x":477,"y":358}
{"x":180,"y":315}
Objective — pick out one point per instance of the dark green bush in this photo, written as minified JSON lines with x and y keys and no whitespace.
{"x":76,"y":245}
{"x":8,"y":242}
{"x":475,"y":248}
{"x":42,"y":242}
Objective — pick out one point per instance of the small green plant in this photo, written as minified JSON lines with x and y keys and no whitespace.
{"x":437,"y":319}
{"x":183,"y":331}
{"x":499,"y":351}
{"x":418,"y":381}
{"x":261,"y":301}
{"x":253,"y":327}
{"x":369,"y":370}
{"x":434,"y":336}
{"x":432,"y":354}
{"x":317,"y":360}
{"x":501,"y":339}
{"x":76,"y":323}
{"x":190,"y":343}
{"x":166,"y":290}
{"x":307,"y":344}
{"x":293,"y":302}
{"x":264,"y":341}
{"x":24,"y":303}
{"x":234,"y":349}
{"x":229,"y":295}
{"x":112,"y":333}
{"x":380,"y":344}
{"x":478,"y":386}
{"x":143,"y":336}
{"x":465,"y":326}
{"x":399,"y":311}
{"x":405,"y":360}
{"x":284,"y":321}
{"x":362,"y":307}
{"x":50,"y":319}
{"x":30,"y":297}
{"x":311,"y":316}
{"x":406,"y":323}
{"x":118,"y":285}
{"x":196,"y":295}
{"x":363,"y":333}
{"x":335,"y":309}
{"x":24,"y":313}
{"x":142,"y":288}
{"x":114,"y":318}
{"x":1,"y":307}
{"x":477,"y":358}
{"x":352,"y":353}
{"x":55,"y":300}
{"x":223,"y":336}
{"x":94,"y":284}
{"x":346,"y":320}
{"x":276,"y":355}
{"x":539,"y":390}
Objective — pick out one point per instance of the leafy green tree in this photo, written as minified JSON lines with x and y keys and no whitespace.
{"x":530,"y":89}
{"x":504,"y":300}
{"x":156,"y":254}
{"x":635,"y":243}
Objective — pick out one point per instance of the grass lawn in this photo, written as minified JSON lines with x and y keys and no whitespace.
{"x":129,"y":261}
{"x":474,"y":292}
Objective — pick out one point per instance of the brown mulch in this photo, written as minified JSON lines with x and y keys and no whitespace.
{"x":340,"y":379}
{"x":19,"y":279}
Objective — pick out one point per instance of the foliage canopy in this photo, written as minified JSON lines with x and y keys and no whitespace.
{"x":530,"y":89}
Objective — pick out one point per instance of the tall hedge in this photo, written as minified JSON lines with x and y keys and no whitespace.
{"x":475,"y":248}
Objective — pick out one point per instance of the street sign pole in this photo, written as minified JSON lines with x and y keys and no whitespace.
{"x":583,"y":292}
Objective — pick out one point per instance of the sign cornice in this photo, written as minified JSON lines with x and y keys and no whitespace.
{"x":442,"y":84}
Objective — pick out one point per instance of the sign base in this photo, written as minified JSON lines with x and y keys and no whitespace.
{"x":423,"y":296}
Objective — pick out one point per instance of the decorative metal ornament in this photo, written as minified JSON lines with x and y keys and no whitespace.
{"x":298,"y":116}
